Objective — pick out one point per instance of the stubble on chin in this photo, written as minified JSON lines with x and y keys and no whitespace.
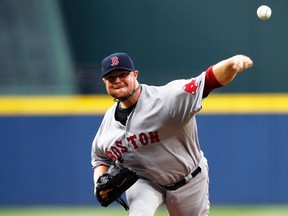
{"x":119,"y":95}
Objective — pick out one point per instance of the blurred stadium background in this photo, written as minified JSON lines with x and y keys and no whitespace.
{"x":52,"y":98}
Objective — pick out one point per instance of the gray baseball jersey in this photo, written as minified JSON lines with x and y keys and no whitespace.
{"x":160,"y":139}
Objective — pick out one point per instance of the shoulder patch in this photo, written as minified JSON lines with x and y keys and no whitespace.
{"x":191,"y":87}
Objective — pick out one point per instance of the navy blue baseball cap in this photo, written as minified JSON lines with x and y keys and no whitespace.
{"x":116,"y":61}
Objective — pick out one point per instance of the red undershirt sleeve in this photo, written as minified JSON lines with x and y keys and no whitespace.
{"x":211,"y":82}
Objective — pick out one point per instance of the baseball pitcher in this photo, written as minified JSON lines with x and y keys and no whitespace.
{"x":151,"y":133}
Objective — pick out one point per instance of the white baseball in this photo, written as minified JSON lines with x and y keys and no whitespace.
{"x":264,"y":12}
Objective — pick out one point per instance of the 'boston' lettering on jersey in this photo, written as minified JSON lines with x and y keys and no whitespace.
{"x":143,"y":138}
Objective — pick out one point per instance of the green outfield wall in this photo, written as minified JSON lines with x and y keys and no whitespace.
{"x":55,"y":47}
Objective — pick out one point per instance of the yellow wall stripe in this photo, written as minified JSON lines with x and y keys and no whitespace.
{"x":98,"y":104}
{"x":54,"y":105}
{"x":246,"y":103}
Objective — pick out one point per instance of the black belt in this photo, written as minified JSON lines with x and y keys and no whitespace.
{"x":182,"y":182}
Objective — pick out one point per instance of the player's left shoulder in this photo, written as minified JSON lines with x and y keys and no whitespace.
{"x":191,"y":86}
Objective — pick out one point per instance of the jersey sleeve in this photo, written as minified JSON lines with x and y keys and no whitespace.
{"x":98,"y":153}
{"x":211,"y":82}
{"x":97,"y":156}
{"x":184,"y":97}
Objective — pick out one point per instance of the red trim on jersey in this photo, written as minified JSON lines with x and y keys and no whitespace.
{"x":211,"y":82}
{"x":102,"y":165}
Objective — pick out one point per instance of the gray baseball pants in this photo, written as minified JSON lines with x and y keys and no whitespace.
{"x":192,"y":199}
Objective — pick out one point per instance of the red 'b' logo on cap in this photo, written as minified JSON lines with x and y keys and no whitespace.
{"x":114,"y":61}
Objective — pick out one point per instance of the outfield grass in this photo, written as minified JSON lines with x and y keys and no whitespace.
{"x":281,"y":210}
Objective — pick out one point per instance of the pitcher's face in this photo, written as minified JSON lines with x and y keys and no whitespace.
{"x":121,"y":83}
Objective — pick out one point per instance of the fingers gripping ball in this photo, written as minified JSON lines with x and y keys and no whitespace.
{"x":264,"y":12}
{"x":241,"y":62}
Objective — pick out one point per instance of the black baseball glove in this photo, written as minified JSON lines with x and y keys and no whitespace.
{"x":115,"y":182}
